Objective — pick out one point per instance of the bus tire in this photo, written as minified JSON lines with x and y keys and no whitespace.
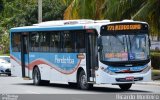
{"x":82,"y":81}
{"x":125,"y":87}
{"x":37,"y":77}
{"x":9,"y":74}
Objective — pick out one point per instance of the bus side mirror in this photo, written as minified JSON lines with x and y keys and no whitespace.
{"x":100,"y":48}
{"x":99,"y":41}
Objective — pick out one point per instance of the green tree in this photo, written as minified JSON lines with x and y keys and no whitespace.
{"x":53,"y":10}
{"x":150,"y":13}
{"x":1,"y":5}
{"x":25,"y":12}
{"x":122,"y":9}
{"x":117,"y":10}
{"x":85,"y":9}
{"x":143,"y":10}
{"x":17,"y":13}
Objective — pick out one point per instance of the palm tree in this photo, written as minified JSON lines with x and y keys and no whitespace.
{"x":85,"y":9}
{"x":151,"y":14}
{"x":143,"y":10}
{"x":122,"y":9}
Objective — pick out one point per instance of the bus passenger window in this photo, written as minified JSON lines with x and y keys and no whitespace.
{"x":34,"y":41}
{"x":44,"y":41}
{"x":16,"y":42}
{"x":55,"y":41}
{"x":68,"y":43}
{"x":80,"y":42}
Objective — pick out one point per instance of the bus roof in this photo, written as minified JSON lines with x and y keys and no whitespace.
{"x":127,"y":21}
{"x":69,"y":25}
{"x":54,"y":25}
{"x":45,"y":28}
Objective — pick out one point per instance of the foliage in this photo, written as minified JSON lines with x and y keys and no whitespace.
{"x":25,"y":12}
{"x":16,"y":13}
{"x":85,"y":9}
{"x":155,"y":72}
{"x":116,"y":10}
{"x":1,"y":5}
{"x":4,"y":43}
{"x":122,"y":9}
{"x":53,"y":10}
{"x":155,"y":60}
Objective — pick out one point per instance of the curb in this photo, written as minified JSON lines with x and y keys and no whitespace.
{"x":150,"y":83}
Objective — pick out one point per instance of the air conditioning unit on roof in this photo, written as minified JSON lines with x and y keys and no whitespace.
{"x":102,"y":21}
{"x":64,"y":22}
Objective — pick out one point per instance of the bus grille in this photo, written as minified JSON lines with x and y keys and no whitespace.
{"x":125,"y":80}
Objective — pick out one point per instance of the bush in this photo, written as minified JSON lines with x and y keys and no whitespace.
{"x":155,"y":60}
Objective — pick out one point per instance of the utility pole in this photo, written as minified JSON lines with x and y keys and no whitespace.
{"x":39,"y":11}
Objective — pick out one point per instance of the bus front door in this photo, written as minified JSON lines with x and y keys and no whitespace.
{"x":25,"y":55}
{"x":91,"y":51}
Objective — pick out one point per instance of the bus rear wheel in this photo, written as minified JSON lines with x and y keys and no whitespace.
{"x":82,"y":81}
{"x":125,"y":87}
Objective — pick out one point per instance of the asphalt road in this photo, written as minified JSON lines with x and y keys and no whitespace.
{"x":16,"y":85}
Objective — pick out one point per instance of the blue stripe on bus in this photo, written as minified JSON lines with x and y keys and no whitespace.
{"x":29,"y":29}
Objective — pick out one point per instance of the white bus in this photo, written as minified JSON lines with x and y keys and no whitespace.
{"x":82,"y":52}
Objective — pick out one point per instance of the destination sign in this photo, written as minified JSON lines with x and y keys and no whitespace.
{"x":124,"y":28}
{"x":121,"y":27}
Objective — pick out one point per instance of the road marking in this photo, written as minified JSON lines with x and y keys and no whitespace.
{"x":32,"y":92}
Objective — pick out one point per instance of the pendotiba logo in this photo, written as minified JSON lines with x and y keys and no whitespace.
{"x":63,"y":59}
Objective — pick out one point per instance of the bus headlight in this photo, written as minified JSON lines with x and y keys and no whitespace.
{"x":107,"y":70}
{"x":146,"y":69}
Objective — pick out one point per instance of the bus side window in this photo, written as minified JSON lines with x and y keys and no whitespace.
{"x":34,"y":42}
{"x":80,"y":42}
{"x":68,"y":43}
{"x":16,"y":42}
{"x":44,"y":41}
{"x":55,"y":42}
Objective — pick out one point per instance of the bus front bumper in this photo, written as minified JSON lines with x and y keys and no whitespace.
{"x":105,"y":78}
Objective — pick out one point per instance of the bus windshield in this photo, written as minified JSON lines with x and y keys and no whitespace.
{"x":124,"y":47}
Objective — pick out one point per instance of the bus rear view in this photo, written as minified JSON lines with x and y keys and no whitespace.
{"x":123,"y":54}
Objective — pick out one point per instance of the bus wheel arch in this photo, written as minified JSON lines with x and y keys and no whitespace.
{"x":82,"y":80}
{"x":33,"y":70}
{"x":78,"y":72}
{"x":37,"y":77}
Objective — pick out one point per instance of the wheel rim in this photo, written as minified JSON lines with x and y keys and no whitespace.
{"x":36,"y":76}
{"x":83,"y":81}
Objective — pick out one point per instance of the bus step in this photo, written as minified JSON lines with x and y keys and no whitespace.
{"x":26,"y":78}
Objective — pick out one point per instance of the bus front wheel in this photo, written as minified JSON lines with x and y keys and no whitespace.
{"x":125,"y":87}
{"x":82,"y":81}
{"x":37,"y":77}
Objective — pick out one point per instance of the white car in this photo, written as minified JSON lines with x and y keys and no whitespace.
{"x":5,"y":65}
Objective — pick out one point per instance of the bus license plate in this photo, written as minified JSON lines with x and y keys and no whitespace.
{"x":129,"y":78}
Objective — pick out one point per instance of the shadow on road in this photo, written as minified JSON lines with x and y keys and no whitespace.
{"x":4,"y":75}
{"x":94,"y":89}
